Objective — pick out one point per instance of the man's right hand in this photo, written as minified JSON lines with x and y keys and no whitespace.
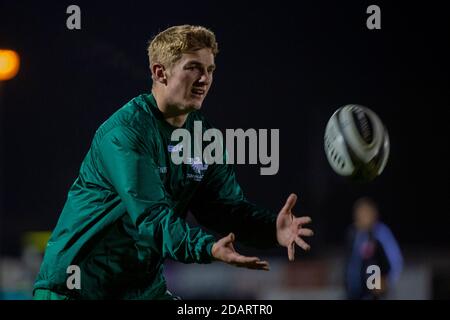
{"x":223,"y":250}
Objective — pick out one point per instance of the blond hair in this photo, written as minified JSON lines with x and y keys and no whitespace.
{"x":168,"y":46}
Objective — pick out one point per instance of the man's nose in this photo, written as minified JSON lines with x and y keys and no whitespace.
{"x":205,"y":78}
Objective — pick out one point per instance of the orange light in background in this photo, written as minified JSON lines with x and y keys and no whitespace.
{"x":9,"y":64}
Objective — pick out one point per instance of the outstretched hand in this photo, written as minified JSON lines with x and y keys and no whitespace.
{"x":290,"y":228}
{"x":224,"y":251}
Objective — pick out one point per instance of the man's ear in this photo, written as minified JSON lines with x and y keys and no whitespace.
{"x":159,"y":73}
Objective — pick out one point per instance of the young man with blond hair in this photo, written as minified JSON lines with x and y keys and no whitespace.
{"x":125,"y":213}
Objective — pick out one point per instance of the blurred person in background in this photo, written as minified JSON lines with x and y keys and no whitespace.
{"x":370,"y":242}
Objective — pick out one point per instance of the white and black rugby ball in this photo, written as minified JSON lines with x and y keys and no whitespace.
{"x":356,"y":143}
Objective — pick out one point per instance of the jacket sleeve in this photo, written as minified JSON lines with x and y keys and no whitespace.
{"x":128,"y":165}
{"x":221,"y":206}
{"x":391,"y":250}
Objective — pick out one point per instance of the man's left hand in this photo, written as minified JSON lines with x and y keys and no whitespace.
{"x":290,"y":228}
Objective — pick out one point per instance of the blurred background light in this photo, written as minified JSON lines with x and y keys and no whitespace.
{"x":9,"y":64}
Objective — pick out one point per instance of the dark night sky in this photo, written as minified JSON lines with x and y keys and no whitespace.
{"x":286,"y":67}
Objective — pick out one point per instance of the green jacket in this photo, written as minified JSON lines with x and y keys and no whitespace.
{"x":125,"y":213}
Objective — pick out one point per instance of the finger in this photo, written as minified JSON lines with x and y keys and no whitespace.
{"x":240,"y":259}
{"x":255,"y":266}
{"x":290,"y":202}
{"x":262,"y":265}
{"x":303,"y":220}
{"x":302,"y":244}
{"x":305,"y":232}
{"x":229,"y":239}
{"x":291,"y":251}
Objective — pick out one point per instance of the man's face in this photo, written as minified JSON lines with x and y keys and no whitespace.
{"x":365,"y":217}
{"x":189,"y":80}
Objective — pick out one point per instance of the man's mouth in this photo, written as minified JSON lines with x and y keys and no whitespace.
{"x":198,"y":92}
